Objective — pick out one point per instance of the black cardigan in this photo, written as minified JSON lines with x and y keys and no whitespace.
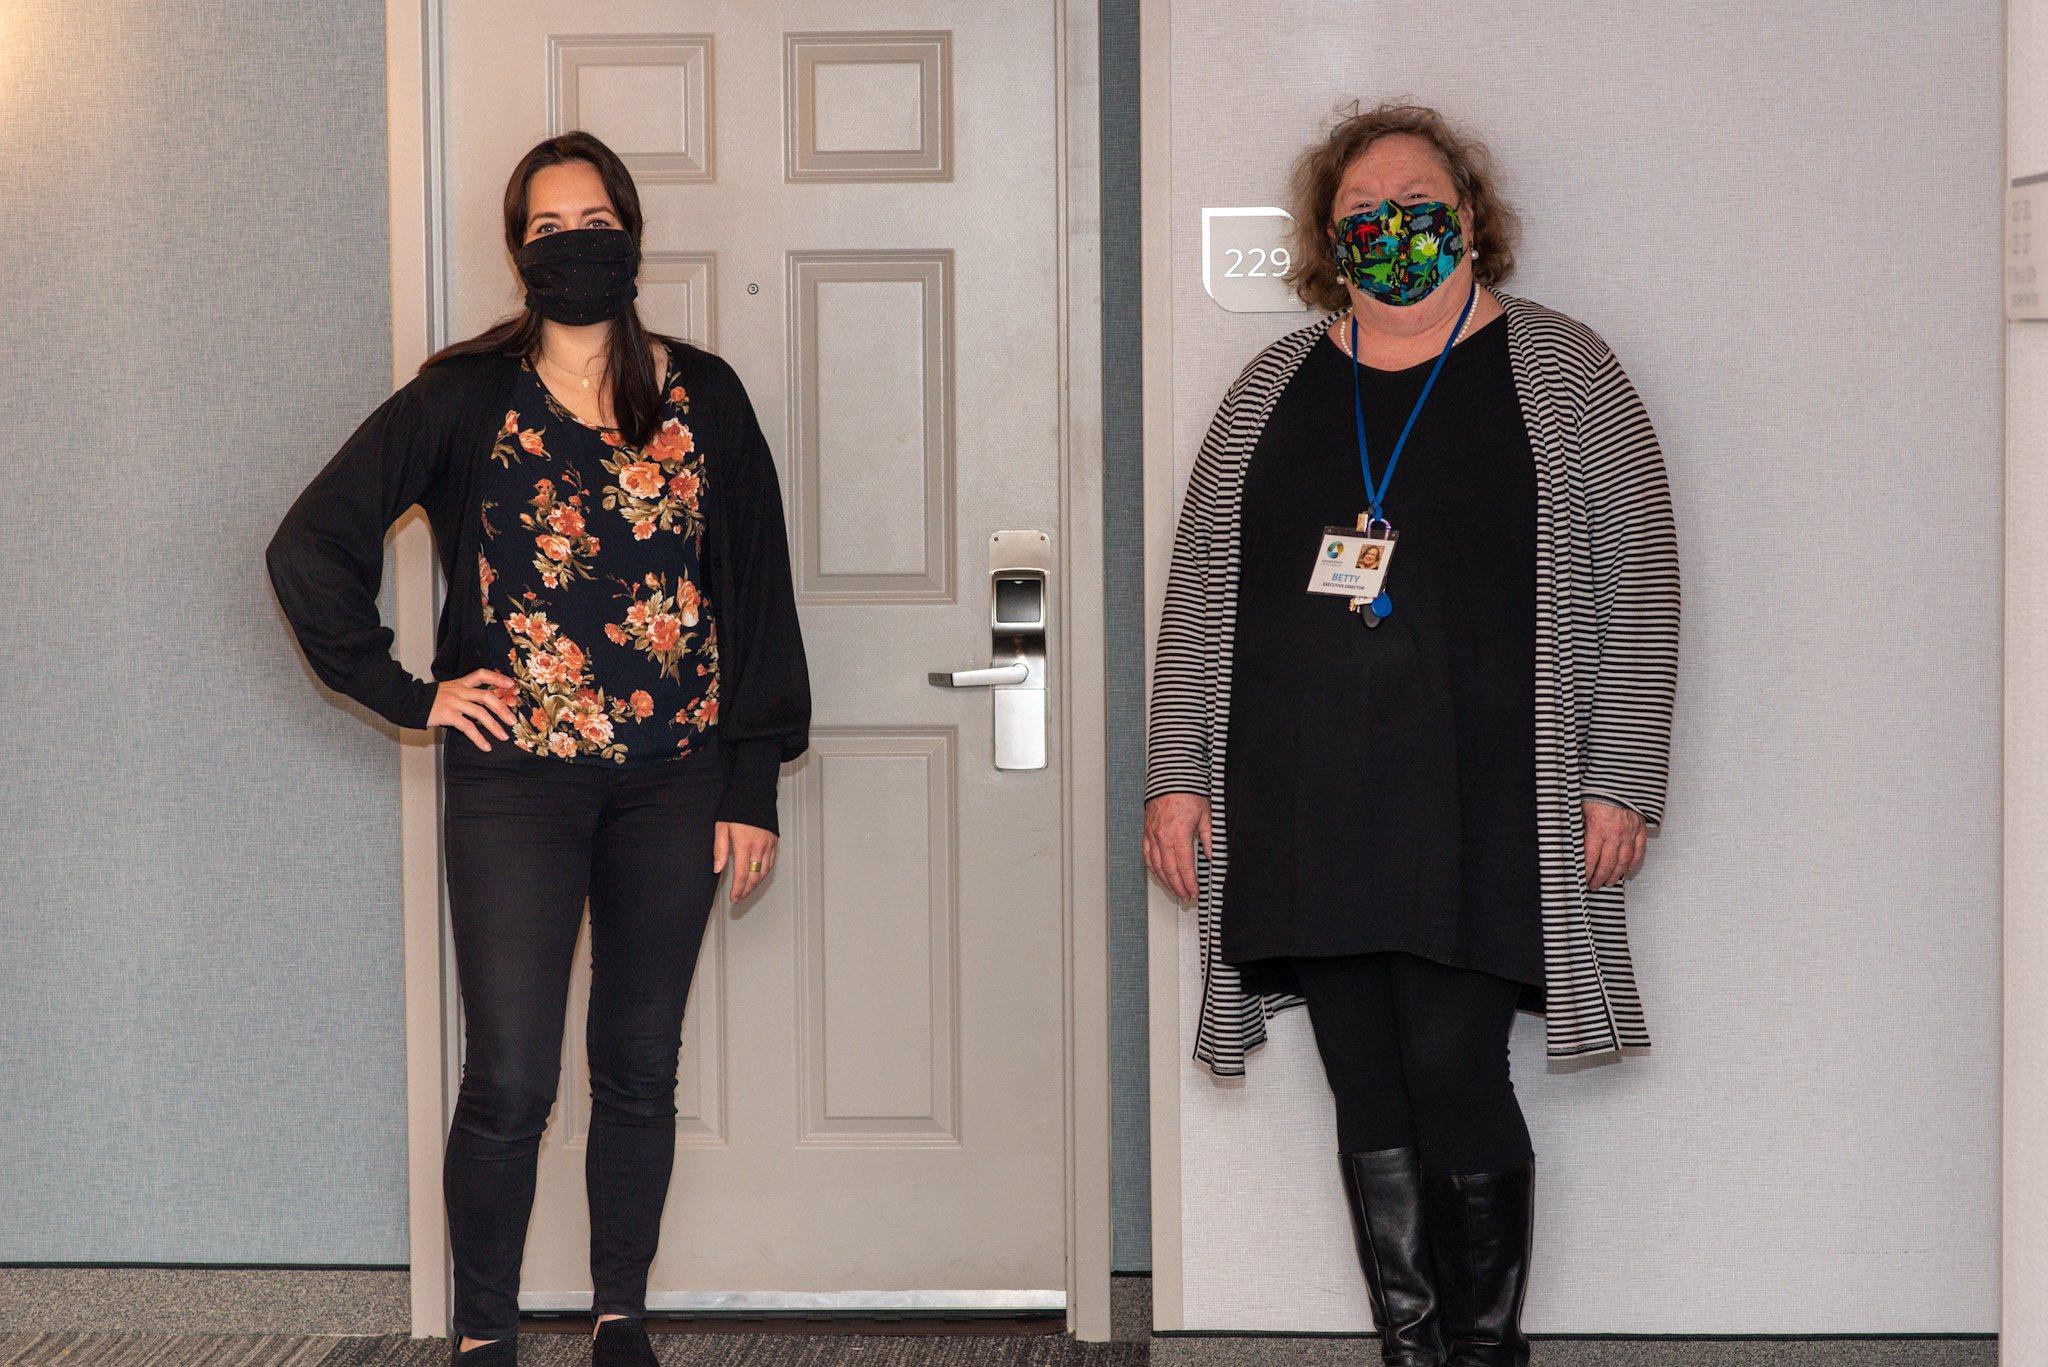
{"x":425,"y":444}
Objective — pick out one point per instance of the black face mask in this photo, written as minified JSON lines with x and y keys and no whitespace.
{"x":581,"y":275}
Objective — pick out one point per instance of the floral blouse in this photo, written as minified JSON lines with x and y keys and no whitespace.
{"x":589,"y":564}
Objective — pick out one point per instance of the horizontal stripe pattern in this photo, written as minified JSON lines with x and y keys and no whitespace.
{"x":1607,"y":609}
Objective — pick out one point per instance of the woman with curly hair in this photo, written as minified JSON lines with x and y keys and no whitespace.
{"x":1406,"y":788}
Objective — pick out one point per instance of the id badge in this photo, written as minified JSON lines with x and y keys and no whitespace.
{"x":1351,"y":563}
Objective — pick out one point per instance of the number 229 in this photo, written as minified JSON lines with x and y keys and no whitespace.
{"x":1256,"y":262}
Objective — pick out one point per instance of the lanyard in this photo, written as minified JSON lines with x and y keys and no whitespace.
{"x":1375,"y":494}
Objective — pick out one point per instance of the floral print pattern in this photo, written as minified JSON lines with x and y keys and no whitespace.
{"x":485,"y":577}
{"x":659,"y":624}
{"x":655,"y":487}
{"x":563,"y":712}
{"x":515,"y":441}
{"x":702,"y":713}
{"x":608,"y":633}
{"x":563,"y":543}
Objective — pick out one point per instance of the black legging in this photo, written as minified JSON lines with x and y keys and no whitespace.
{"x":1417,"y":1053}
{"x":526,"y":840}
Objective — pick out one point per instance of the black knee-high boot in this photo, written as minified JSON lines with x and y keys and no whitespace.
{"x":1481,"y":1227}
{"x":1385,"y":1191}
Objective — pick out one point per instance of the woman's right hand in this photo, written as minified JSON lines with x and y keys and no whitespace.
{"x":1174,"y":824}
{"x":478,"y":698}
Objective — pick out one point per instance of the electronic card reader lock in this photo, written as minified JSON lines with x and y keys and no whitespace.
{"x":1016,"y":673}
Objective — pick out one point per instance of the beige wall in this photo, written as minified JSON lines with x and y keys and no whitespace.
{"x":2025,"y":1307}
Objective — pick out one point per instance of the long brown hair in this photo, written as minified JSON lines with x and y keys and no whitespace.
{"x":629,"y":369}
{"x":1491,"y":227}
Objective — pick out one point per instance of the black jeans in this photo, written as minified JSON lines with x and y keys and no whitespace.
{"x":1417,"y":1053}
{"x":527,"y":839}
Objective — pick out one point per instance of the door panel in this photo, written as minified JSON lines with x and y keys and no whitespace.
{"x":857,"y":206}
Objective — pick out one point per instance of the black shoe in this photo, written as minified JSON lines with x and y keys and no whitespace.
{"x":1481,"y":1225}
{"x":1385,"y":1189}
{"x":622,"y":1343}
{"x":497,"y":1353}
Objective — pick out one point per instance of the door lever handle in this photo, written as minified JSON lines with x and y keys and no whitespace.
{"x":1015,"y":677}
{"x":992,"y":677}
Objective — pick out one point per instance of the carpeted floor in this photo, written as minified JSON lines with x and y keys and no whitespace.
{"x":560,"y":1350}
{"x":1348,"y":1352}
{"x":221,"y":1317}
{"x":785,"y":1350}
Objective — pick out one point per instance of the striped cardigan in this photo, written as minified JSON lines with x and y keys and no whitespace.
{"x":1606,"y":663}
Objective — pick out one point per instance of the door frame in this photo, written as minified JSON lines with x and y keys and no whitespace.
{"x":414,"y":70}
{"x":1167,"y":1059}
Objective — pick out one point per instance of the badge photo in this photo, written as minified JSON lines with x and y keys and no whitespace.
{"x":1350,"y":564}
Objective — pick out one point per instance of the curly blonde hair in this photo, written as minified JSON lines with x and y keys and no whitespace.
{"x":1491,"y":228}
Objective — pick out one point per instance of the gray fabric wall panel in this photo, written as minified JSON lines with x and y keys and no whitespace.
{"x":203,"y":1028}
{"x":1123,"y":534}
{"x":1786,"y":221}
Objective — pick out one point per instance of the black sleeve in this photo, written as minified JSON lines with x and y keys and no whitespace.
{"x":765,"y":703}
{"x":326,"y":558}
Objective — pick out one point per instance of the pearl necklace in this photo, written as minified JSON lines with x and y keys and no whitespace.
{"x":1344,"y":336}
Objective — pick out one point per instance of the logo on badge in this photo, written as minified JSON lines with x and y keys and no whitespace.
{"x":1335,"y":550}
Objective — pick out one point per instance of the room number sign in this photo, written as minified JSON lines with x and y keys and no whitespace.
{"x":1245,"y":259}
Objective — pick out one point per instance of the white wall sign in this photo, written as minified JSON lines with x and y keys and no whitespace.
{"x":2026,"y":206}
{"x":1245,"y":257}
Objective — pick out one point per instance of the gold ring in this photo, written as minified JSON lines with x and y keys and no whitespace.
{"x":754,"y":867}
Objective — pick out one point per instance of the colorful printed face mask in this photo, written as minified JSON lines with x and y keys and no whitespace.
{"x":1398,"y":253}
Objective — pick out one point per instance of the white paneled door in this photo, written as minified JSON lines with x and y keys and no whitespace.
{"x":860,"y":206}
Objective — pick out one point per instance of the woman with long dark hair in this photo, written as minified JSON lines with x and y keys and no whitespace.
{"x":620,"y":659}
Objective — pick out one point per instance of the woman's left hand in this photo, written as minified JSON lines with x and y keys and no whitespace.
{"x":749,"y":849}
{"x":1616,"y":839}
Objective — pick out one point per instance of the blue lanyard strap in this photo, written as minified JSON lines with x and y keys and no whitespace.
{"x":1376,"y":493}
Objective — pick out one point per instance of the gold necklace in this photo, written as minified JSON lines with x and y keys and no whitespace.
{"x":1344,"y":335}
{"x":583,"y":380}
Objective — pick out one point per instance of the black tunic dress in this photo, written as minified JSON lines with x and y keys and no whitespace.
{"x":1381,"y":782}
